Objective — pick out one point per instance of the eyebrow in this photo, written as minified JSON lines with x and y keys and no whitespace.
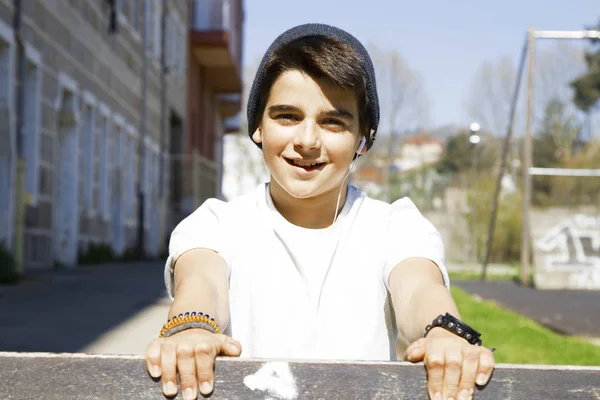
{"x":338,"y":112}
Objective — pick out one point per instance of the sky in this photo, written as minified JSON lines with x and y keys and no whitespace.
{"x":445,"y":41}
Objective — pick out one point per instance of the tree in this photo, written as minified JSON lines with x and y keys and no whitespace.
{"x":587,"y":86}
{"x":404,"y":107}
{"x":401,"y":91}
{"x":554,"y":146}
{"x":556,"y":66}
{"x":491,"y":94}
{"x":460,"y":153}
{"x":561,"y":128}
{"x":492,"y":87}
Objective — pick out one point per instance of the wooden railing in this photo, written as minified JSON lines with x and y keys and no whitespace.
{"x":51,"y":376}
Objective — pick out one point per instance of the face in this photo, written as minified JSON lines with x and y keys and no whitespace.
{"x":309,"y":133}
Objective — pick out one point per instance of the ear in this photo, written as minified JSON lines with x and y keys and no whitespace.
{"x":257,"y":135}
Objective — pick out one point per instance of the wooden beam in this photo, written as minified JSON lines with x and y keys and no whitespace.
{"x":52,"y":376}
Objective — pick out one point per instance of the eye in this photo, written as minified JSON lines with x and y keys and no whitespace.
{"x":286,"y":118}
{"x":333,"y":124}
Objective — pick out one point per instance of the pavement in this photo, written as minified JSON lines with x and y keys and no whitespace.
{"x":110,"y":309}
{"x":119,"y":309}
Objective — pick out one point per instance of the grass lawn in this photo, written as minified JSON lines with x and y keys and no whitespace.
{"x":519,"y":340}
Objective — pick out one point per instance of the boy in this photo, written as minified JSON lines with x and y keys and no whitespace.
{"x":308,"y":266}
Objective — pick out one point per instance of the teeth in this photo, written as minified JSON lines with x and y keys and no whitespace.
{"x":304,"y":164}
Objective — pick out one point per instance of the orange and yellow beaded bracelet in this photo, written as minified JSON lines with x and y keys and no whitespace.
{"x":189,"y":320}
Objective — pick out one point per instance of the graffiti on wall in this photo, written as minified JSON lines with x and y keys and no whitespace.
{"x":573,"y":246}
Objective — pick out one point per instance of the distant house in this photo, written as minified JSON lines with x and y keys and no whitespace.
{"x":412,"y":153}
{"x":419,"y":151}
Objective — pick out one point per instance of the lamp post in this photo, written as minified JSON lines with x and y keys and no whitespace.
{"x":474,"y":139}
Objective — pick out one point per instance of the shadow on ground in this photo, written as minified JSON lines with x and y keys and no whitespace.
{"x":64,"y":311}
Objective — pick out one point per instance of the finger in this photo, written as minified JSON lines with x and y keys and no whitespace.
{"x":416,"y":351}
{"x":485,"y":367}
{"x":434,"y":362}
{"x":415,"y":355}
{"x":466,"y":387}
{"x":453,"y":368}
{"x":153,"y":358}
{"x":186,"y":366}
{"x":168,"y":365}
{"x":205,"y":354}
{"x":230,"y":347}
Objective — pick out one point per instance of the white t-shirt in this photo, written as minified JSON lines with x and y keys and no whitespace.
{"x":319,"y":294}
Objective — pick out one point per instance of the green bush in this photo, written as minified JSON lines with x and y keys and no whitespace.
{"x":8,"y":267}
{"x":131,"y":254}
{"x":101,"y":253}
{"x":97,"y":253}
{"x":506,"y":246}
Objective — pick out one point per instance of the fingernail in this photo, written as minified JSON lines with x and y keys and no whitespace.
{"x":205,"y":388}
{"x":189,"y":394}
{"x":437,"y":396}
{"x":481,"y":379}
{"x":155,"y":371}
{"x":170,"y":389}
{"x":465,"y":394}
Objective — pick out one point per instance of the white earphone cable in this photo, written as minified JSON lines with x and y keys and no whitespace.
{"x":337,"y":206}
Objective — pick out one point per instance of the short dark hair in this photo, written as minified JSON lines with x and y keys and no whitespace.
{"x":318,"y":57}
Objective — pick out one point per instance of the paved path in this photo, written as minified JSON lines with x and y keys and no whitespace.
{"x":572,"y":312}
{"x":105,"y":309}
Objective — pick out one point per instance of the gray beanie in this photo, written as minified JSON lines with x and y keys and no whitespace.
{"x":308,"y":30}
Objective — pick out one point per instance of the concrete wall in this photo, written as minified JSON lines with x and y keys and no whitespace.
{"x":566,"y":248}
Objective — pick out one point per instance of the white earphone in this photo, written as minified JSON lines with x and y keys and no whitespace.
{"x":361,"y":145}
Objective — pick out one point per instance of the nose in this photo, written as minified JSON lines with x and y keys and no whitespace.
{"x":307,"y":135}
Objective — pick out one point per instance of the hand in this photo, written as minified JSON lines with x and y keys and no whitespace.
{"x":192,"y":353}
{"x":453,"y":365}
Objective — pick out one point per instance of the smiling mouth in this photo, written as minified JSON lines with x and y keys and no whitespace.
{"x":305,"y":165}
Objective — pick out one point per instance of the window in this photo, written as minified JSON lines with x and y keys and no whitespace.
{"x":171,"y":39}
{"x":148,"y":163}
{"x":6,"y":67}
{"x":175,"y":44}
{"x":84,"y":133}
{"x":152,"y":17}
{"x":123,"y":9}
{"x":102,"y":138}
{"x":156,"y":15}
{"x":6,"y":134}
{"x":115,"y":187}
{"x":182,"y":51}
{"x":32,"y":119}
{"x":135,"y":15}
{"x":87,"y":151}
{"x":131,"y":158}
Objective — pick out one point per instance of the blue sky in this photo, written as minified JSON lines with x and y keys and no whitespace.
{"x":445,"y":41}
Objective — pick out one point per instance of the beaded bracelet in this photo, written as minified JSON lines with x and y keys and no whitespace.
{"x":189,"y":317}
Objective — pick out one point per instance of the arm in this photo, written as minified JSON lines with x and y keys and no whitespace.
{"x":418,"y":295}
{"x":453,"y":365}
{"x":201,"y":284}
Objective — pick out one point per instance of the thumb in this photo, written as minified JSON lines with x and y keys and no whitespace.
{"x":230,"y":347}
{"x":416,"y":351}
